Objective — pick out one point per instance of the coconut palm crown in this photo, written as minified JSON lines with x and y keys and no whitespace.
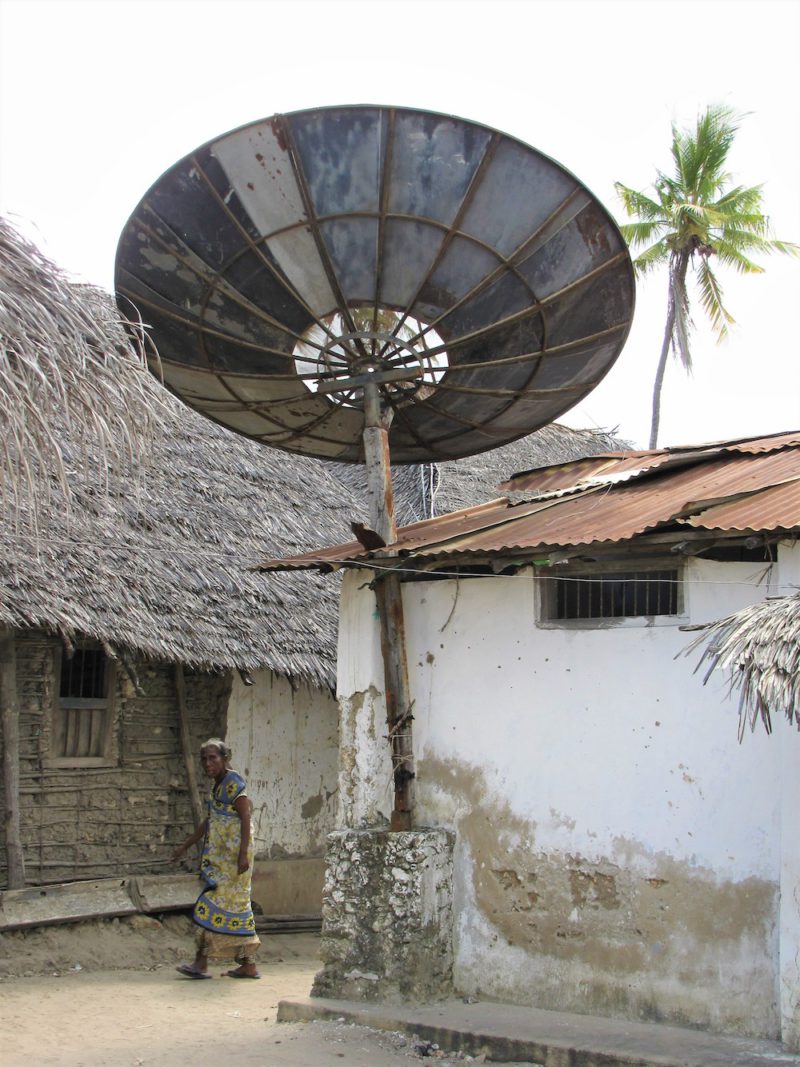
{"x":694,"y":215}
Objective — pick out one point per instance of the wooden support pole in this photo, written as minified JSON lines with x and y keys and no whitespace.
{"x":189,"y":753}
{"x":380,"y":497}
{"x":9,"y":718}
{"x":398,"y":703}
{"x":390,"y":610}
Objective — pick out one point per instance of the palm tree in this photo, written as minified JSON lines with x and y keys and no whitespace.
{"x":697,"y":213}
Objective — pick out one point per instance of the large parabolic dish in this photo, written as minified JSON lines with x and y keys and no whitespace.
{"x":280,"y":266}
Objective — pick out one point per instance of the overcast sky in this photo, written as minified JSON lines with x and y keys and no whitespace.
{"x":98,"y":99}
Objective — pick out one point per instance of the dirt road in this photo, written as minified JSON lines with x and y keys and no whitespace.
{"x":62,"y":1006}
{"x":125,"y":1019}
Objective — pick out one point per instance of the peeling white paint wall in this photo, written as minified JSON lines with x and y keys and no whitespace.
{"x":285,"y":742}
{"x":789,"y":966}
{"x":618,"y":851}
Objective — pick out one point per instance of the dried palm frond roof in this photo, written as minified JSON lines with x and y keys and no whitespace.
{"x":145,"y":541}
{"x":166,"y":571}
{"x":64,"y":361}
{"x":759,"y":647}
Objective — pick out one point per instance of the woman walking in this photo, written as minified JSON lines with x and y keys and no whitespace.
{"x":223,"y":911}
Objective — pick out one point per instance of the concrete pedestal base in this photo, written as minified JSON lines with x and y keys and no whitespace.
{"x":387,"y":916}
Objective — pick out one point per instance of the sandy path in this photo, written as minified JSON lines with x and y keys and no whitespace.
{"x":106,"y":994}
{"x":153,"y":1017}
{"x":156,"y":1018}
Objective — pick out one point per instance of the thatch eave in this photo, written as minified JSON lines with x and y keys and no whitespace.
{"x":759,"y":650}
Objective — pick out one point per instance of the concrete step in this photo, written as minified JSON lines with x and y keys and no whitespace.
{"x":511,"y":1033}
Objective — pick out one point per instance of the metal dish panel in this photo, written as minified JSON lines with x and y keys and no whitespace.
{"x":434,"y":160}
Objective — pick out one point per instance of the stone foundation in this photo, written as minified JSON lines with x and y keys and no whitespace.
{"x":387,"y":916}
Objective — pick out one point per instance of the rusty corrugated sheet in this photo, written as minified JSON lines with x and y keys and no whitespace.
{"x":774,"y":508}
{"x":569,"y":476}
{"x":749,"y":445}
{"x":739,"y":488}
{"x":606,"y":513}
{"x":616,"y":466}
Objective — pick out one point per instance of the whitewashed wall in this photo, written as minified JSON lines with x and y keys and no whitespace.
{"x":618,"y":851}
{"x":789,"y":929}
{"x":285,"y":742}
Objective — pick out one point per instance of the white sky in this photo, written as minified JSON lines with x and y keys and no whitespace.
{"x":98,"y":99}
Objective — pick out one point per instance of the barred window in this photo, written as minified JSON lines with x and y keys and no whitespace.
{"x":612,"y":595}
{"x":82,"y":726}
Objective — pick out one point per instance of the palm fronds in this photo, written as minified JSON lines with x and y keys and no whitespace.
{"x":695,"y":214}
{"x":65,"y":364}
{"x":759,"y":647}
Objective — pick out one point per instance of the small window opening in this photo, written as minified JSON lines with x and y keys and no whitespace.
{"x":628,"y":594}
{"x":83,"y":712}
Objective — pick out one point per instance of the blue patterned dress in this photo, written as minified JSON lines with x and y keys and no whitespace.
{"x":224,"y":906}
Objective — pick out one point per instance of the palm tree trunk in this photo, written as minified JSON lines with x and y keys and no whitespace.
{"x":675,"y":331}
{"x":655,"y":417}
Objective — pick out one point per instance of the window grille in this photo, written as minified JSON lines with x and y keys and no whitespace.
{"x":618,"y":595}
{"x":83,"y":712}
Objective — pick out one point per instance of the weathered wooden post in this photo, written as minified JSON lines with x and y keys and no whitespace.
{"x":9,"y":717}
{"x":390,"y":609}
{"x":189,"y":754}
{"x":375,"y":439}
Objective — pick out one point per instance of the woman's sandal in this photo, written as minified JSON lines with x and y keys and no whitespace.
{"x":190,"y":971}
{"x":239,"y":974}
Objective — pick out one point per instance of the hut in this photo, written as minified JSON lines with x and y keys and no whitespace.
{"x":134,"y":623}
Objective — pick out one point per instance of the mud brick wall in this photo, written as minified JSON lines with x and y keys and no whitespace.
{"x":126,"y":816}
{"x":387,"y":916}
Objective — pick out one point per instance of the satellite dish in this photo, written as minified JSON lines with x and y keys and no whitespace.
{"x":290,"y":267}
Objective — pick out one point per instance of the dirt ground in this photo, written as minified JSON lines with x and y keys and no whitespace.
{"x":106,"y":994}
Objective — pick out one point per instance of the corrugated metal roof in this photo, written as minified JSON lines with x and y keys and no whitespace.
{"x":752,"y":485}
{"x":616,"y":466}
{"x":570,"y":476}
{"x":774,"y":508}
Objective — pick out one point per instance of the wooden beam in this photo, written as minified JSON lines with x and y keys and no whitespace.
{"x":398,"y":702}
{"x":189,"y":753}
{"x":99,"y":898}
{"x":9,"y":719}
{"x":390,"y":608}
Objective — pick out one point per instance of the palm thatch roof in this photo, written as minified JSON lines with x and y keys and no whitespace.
{"x":148,"y":542}
{"x":145,"y":542}
{"x":63,"y":361}
{"x":759,"y":647}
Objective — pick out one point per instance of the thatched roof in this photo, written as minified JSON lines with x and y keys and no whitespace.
{"x":759,"y":647}
{"x":151,"y":552}
{"x":166,"y":571}
{"x":64,"y":361}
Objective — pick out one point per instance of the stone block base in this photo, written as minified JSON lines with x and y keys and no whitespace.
{"x":387,"y":916}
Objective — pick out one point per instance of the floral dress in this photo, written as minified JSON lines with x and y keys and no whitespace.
{"x":224,"y":906}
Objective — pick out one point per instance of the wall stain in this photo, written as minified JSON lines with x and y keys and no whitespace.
{"x":312,"y":807}
{"x":678,"y":925}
